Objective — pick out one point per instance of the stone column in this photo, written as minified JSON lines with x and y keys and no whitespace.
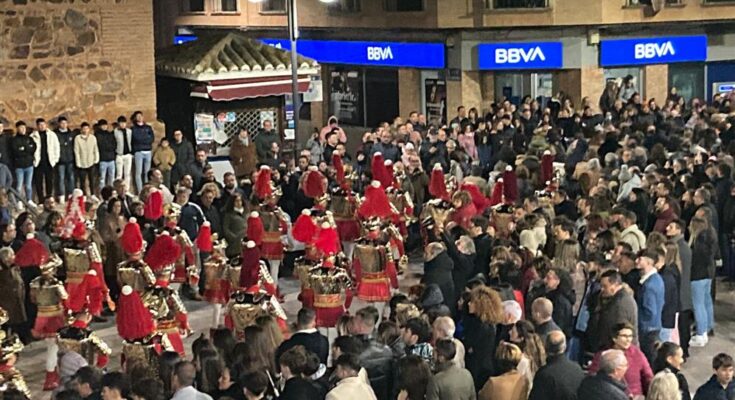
{"x":409,"y":91}
{"x":656,"y":81}
{"x":465,"y":92}
{"x":579,"y":83}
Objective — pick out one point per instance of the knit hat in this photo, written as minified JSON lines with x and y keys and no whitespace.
{"x":376,"y":203}
{"x":164,"y":251}
{"x":315,"y":184}
{"x":153,"y":209}
{"x":263,"y":187}
{"x":255,"y":231}
{"x":134,"y":321}
{"x":304,"y":229}
{"x":204,"y":237}
{"x":132,"y":239}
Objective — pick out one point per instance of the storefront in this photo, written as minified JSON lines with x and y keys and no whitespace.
{"x":521,"y":68}
{"x":361,"y":79}
{"x":684,"y":55}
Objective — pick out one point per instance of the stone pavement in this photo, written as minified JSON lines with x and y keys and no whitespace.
{"x":697,"y":369}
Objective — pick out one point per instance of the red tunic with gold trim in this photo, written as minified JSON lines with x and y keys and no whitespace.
{"x":247,"y":305}
{"x":217,"y":270}
{"x":275,"y":225}
{"x":185,"y":270}
{"x":374,"y":269}
{"x":403,"y":205}
{"x":79,"y":338}
{"x":332,"y":294}
{"x":344,"y":209}
{"x":306,"y":230}
{"x":48,"y":294}
{"x":79,"y":259}
{"x":169,"y":314}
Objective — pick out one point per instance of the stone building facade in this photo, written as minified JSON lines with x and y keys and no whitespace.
{"x":84,"y":59}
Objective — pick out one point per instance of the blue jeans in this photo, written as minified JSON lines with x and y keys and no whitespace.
{"x":24,"y":181}
{"x":703,"y":311}
{"x":65,"y":183}
{"x":665,"y":334}
{"x":142,"y":165}
{"x":107,"y":173}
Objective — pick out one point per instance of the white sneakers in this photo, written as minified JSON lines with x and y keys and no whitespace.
{"x":32,"y":204}
{"x":699,"y":340}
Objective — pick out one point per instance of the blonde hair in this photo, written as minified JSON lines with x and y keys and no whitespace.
{"x":672,"y":254}
{"x":664,"y":386}
{"x":696,"y":227}
{"x":508,"y":356}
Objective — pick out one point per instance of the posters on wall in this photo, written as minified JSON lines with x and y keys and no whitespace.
{"x":436,"y":101}
{"x":346,"y":97}
{"x":204,"y":128}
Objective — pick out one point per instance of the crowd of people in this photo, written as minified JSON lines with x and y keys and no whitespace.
{"x":568,"y":252}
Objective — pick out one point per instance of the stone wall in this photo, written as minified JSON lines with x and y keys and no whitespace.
{"x":86,"y":59}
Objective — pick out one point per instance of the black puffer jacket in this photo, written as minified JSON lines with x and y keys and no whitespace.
{"x":479,"y":341}
{"x":438,"y":270}
{"x":563,"y":299}
{"x":704,"y":253}
{"x":377,"y":359}
{"x":23,"y":149}
{"x":106,"y":145}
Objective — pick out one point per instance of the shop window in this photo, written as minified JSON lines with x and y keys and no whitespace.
{"x":363,"y":97}
{"x":502,"y":4}
{"x":346,"y":6}
{"x":192,"y":6}
{"x":404,"y":5}
{"x":273,"y":6}
{"x":226,"y":6}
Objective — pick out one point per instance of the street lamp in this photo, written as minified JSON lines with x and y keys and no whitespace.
{"x":293,"y":35}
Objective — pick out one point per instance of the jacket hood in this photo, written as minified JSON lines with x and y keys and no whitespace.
{"x":432,"y":296}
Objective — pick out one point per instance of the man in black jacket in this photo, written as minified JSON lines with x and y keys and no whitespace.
{"x":376,"y":358}
{"x":142,"y":142}
{"x":65,"y":169}
{"x":184,"y":156}
{"x":483,"y":244}
{"x":560,"y":378}
{"x":5,"y":147}
{"x":23,"y":149}
{"x":107,"y":146}
{"x":609,"y":382}
{"x":306,"y":335}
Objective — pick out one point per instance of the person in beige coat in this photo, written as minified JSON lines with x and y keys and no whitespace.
{"x":511,"y":385}
{"x":350,"y":385}
{"x":86,"y":157}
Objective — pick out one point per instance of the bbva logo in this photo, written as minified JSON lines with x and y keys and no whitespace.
{"x":376,"y":53}
{"x":653,"y":50}
{"x":516,"y":55}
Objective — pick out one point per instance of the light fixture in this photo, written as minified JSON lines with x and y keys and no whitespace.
{"x":256,"y":1}
{"x":328,"y":1}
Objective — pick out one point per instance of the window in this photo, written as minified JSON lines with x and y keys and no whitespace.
{"x":346,"y":6}
{"x":273,"y":6}
{"x":501,"y":4}
{"x":404,"y":5}
{"x":225,"y":6}
{"x":192,"y":6}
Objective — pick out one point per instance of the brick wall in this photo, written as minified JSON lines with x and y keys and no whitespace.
{"x":84,"y":59}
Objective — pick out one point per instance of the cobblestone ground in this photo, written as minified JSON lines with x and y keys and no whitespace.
{"x":697,"y":369}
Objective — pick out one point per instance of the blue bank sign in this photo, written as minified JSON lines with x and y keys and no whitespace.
{"x":658,"y":50}
{"x":378,"y":54}
{"x":530,"y":55}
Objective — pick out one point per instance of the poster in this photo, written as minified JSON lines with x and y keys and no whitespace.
{"x":204,"y":128}
{"x":346,"y":97}
{"x":314,"y":93}
{"x":436,"y":101}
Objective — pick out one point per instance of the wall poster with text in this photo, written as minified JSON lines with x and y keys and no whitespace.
{"x":436,"y":101}
{"x":346,"y":96}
